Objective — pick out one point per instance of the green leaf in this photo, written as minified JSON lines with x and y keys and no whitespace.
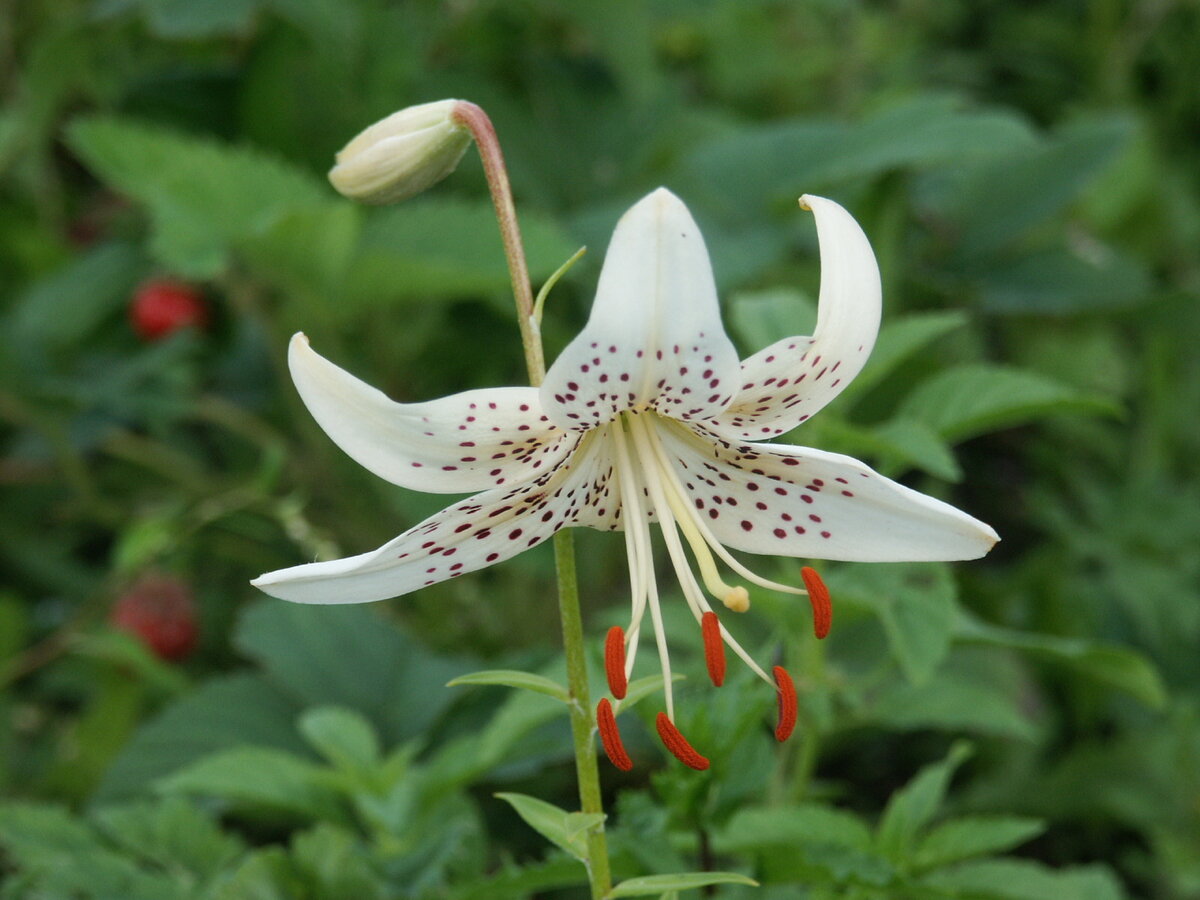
{"x":1021,"y":879}
{"x":912,"y":807}
{"x":953,"y":704}
{"x":658,"y":884}
{"x":171,"y":834}
{"x":1038,"y":183}
{"x":1065,"y":282}
{"x":445,"y":248}
{"x":342,"y":736}
{"x":566,"y":830}
{"x":898,"y":340}
{"x":62,"y":309}
{"x":911,"y":442}
{"x":333,"y":863}
{"x":235,"y":709}
{"x":260,"y":777}
{"x":960,"y":839}
{"x":348,"y":656}
{"x":203,"y":196}
{"x":1120,"y":667}
{"x":916,"y":604}
{"x":752,"y":828}
{"x":514,"y":679}
{"x":969,"y":400}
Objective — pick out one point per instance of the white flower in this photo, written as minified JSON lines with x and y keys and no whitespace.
{"x":647,"y":416}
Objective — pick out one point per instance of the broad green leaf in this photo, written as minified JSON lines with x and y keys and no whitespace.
{"x":333,"y":863}
{"x":753,"y":828}
{"x":1022,"y":879}
{"x":348,"y":656}
{"x":342,"y":736}
{"x":172,"y":834}
{"x":914,"y":443}
{"x":62,"y":309}
{"x":1038,"y":182}
{"x":924,"y":131}
{"x":960,"y":839}
{"x":235,"y":709}
{"x":900,"y":338}
{"x":514,"y":679}
{"x":51,"y":853}
{"x":521,"y":883}
{"x":566,"y":830}
{"x":260,"y":777}
{"x":952,"y":704}
{"x":969,"y":400}
{"x":308,"y":252}
{"x":912,"y":807}
{"x":203,"y":196}
{"x":444,"y":248}
{"x":1118,"y":666}
{"x":916,"y":604}
{"x":1065,"y":282}
{"x":658,"y":884}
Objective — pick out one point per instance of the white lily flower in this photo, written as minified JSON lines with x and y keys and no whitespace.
{"x":647,"y":416}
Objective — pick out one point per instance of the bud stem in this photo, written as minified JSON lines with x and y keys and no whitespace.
{"x":474,"y":119}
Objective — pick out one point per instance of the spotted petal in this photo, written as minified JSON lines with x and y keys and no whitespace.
{"x":461,"y":443}
{"x":784,"y":384}
{"x":654,"y":336}
{"x":795,"y":501}
{"x":488,"y":528}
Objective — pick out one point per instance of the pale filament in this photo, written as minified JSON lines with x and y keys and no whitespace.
{"x":640,"y":431}
{"x":679,"y":497}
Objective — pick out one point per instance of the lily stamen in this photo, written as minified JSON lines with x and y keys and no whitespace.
{"x":678,"y":744}
{"x":614,"y":662}
{"x":818,"y":596}
{"x":610,"y":737}
{"x":788,"y":706}
{"x":714,"y":648}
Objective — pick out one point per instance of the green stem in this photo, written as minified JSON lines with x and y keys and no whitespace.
{"x":586,"y":769}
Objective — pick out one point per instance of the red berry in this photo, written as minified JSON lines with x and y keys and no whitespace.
{"x":161,"y":306}
{"x":160,"y":611}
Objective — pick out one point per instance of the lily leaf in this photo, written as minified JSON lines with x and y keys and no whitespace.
{"x":567,"y":830}
{"x":514,"y":679}
{"x":659,"y":884}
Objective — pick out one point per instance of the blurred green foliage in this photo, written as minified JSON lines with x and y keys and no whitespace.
{"x":1026,"y":727}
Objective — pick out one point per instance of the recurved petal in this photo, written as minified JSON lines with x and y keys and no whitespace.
{"x":795,"y":501}
{"x":487,"y":528}
{"x":654,"y":336}
{"x":785,"y":383}
{"x":458,"y":444}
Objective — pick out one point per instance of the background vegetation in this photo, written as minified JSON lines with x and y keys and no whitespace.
{"x":1026,"y":727}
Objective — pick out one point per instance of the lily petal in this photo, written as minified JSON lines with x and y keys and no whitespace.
{"x":795,"y":501}
{"x":487,"y":528}
{"x":785,"y":383}
{"x":461,"y":443}
{"x":654,"y":336}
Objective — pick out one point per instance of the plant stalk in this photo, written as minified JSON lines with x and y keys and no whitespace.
{"x":587,"y":772}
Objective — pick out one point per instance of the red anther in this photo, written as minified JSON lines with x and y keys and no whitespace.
{"x":678,"y":745}
{"x":614,"y":661}
{"x":818,"y":596}
{"x":606,"y":723}
{"x":787,"y":704}
{"x":714,"y":647}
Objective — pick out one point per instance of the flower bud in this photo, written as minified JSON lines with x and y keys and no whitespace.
{"x":402,"y":155}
